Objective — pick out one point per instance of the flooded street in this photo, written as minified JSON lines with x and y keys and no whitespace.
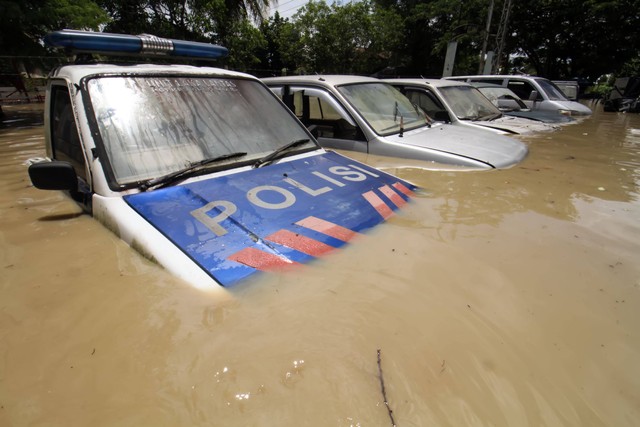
{"x":499,"y":298}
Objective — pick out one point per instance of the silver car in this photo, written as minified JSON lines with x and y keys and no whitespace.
{"x":511,"y":105}
{"x":537,"y":92}
{"x":462,"y":104}
{"x":368,"y":115}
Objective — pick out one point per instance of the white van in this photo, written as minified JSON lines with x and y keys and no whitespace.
{"x":201,"y":169}
{"x":537,"y":92}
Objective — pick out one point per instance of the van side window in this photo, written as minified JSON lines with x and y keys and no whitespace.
{"x":64,"y":132}
{"x":522,"y":89}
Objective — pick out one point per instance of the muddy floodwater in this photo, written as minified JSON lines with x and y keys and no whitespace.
{"x":499,"y":298}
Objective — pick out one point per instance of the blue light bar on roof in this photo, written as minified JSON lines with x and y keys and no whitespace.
{"x":123,"y":44}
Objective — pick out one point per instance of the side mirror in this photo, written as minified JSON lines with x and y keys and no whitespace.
{"x":533,"y":96}
{"x":55,"y":175}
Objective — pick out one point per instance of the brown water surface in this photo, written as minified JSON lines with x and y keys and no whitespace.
{"x":500,"y":298}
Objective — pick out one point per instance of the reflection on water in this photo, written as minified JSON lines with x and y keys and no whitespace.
{"x":499,"y":298}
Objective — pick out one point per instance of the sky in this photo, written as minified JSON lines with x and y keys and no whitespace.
{"x":287,"y":8}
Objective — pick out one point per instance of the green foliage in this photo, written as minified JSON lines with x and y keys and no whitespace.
{"x":350,"y":39}
{"x":631,"y":68}
{"x":575,"y":38}
{"x":558,"y":39}
{"x":278,"y":54}
{"x":244,"y":40}
{"x":25,"y":22}
{"x":599,"y":90}
{"x":223,"y":22}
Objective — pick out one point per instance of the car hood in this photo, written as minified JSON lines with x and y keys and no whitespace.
{"x":482,"y":145}
{"x":272,"y":217}
{"x":519,"y":125}
{"x":542,"y":116}
{"x":575,"y":107}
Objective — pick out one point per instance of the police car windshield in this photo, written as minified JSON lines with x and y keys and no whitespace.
{"x":154,"y":126}
{"x":385,"y":109}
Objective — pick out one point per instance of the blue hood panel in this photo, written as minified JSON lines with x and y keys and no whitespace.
{"x":272,"y":217}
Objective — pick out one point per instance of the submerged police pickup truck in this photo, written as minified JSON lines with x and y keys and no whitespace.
{"x":201,"y":169}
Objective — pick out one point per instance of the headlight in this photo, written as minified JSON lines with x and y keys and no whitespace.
{"x":565,"y":112}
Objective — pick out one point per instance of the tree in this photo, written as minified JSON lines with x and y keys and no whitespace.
{"x":428,"y":27}
{"x":351,"y":39}
{"x":575,"y":38}
{"x":551,"y":38}
{"x":225,"y":22}
{"x":244,"y":40}
{"x":279,"y":34}
{"x":26,"y":22}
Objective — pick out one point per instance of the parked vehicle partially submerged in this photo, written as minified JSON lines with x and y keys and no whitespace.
{"x":462,"y":104}
{"x":625,"y":96}
{"x":537,"y":92}
{"x":570,"y":88}
{"x":201,"y":169}
{"x":367,"y":115}
{"x":512,"y":105}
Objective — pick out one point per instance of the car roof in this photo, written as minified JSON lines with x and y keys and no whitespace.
{"x":322,"y":79}
{"x":488,"y":85}
{"x":498,"y":76}
{"x":77,"y":71}
{"x":430,"y":82}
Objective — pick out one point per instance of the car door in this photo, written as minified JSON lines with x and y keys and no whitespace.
{"x":324,"y":116}
{"x":525,"y":91}
{"x":65,"y":140}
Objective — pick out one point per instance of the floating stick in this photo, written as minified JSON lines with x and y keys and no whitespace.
{"x":384,"y":392}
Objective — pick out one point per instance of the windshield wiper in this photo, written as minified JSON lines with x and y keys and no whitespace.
{"x":278,"y":152}
{"x":184,"y":173}
{"x":491,"y":117}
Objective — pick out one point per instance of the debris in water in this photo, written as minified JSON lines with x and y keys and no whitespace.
{"x":384,"y":393}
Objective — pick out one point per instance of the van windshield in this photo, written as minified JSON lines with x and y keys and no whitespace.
{"x":154,"y":125}
{"x":385,"y":109}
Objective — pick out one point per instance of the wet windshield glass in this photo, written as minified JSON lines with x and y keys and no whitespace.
{"x":502,"y":93}
{"x":553,"y":92}
{"x":468,"y":103}
{"x":152,"y":126}
{"x":385,"y":109}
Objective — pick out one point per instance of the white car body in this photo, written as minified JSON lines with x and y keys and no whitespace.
{"x":201,"y":169}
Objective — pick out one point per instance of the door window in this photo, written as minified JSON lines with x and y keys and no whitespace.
{"x":64,"y":132}
{"x":521,"y":88}
{"x":322,"y":113}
